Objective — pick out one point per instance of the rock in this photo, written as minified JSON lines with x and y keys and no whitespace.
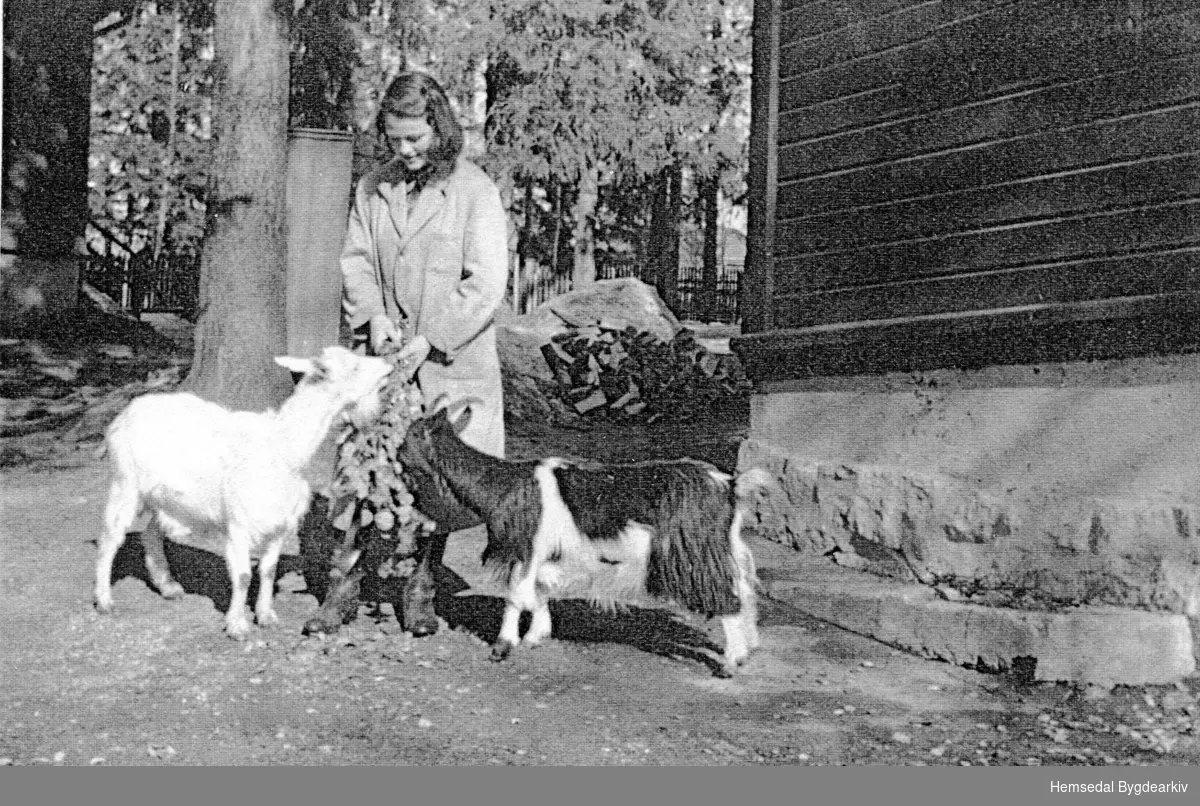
{"x":615,"y":304}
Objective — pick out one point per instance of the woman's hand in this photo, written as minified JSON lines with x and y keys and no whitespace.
{"x":413,"y":354}
{"x":383,"y":330}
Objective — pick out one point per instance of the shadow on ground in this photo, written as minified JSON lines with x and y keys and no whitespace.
{"x":655,"y":632}
{"x":200,"y":572}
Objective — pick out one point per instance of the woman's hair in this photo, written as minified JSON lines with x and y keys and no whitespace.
{"x":417,"y":95}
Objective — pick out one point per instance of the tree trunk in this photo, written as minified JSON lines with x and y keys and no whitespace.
{"x":47,"y":90}
{"x":525,"y":259}
{"x":168,"y":163}
{"x":583,"y":274}
{"x":556,"y":211}
{"x":706,"y":305}
{"x":243,"y":276}
{"x":664,"y":235}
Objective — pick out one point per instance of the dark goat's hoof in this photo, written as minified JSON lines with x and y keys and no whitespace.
{"x":317,"y":626}
{"x":423,"y":628}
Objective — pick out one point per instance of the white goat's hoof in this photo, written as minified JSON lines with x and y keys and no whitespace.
{"x":104,"y":607}
{"x":501,"y":650}
{"x":732,"y":664}
{"x":170,"y":590}
{"x":267,"y":619}
{"x":237,"y":630}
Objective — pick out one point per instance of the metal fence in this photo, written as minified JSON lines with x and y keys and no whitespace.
{"x":540,"y":285}
{"x":689,"y":286}
{"x":530,"y":288}
{"x":140,"y":284}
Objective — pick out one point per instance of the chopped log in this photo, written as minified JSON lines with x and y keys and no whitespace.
{"x":592,"y":401}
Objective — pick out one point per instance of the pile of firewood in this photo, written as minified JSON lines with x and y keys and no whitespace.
{"x":630,"y":374}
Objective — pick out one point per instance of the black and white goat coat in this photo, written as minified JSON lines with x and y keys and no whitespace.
{"x":607,"y":533}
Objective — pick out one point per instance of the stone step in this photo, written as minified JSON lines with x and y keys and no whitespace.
{"x":1089,"y":645}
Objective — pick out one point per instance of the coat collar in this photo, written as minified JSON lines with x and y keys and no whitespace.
{"x":431,"y":199}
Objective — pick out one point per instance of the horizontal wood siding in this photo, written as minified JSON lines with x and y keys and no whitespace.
{"x":958,"y":157}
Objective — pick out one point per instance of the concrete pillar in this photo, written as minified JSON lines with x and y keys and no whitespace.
{"x":318,"y":195}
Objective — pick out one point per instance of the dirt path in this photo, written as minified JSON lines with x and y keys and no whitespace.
{"x":159,"y":683}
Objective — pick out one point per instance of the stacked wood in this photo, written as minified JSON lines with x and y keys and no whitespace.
{"x":624,"y":373}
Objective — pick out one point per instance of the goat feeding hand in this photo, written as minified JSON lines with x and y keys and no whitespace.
{"x":671,"y":529}
{"x":199,"y":467}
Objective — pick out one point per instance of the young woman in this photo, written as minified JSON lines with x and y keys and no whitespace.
{"x":425,"y":264}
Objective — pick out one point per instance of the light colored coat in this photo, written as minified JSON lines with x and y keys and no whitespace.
{"x":440,"y":272}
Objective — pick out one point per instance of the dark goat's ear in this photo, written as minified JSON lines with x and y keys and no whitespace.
{"x":460,"y":414}
{"x":462,"y":420}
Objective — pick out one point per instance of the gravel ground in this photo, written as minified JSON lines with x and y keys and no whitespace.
{"x":159,"y":683}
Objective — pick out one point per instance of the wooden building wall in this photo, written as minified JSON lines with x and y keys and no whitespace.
{"x":961,"y":182}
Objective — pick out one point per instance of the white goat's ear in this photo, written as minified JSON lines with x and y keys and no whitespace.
{"x":301,"y":366}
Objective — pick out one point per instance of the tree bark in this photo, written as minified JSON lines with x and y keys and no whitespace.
{"x":664,"y":234}
{"x":707,"y":304}
{"x":47,"y":107}
{"x":243,"y":276}
{"x":168,"y":163}
{"x":525,"y":258}
{"x":583,"y":273}
{"x":556,"y":213}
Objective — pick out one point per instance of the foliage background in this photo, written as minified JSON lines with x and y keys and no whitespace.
{"x":582,"y":110}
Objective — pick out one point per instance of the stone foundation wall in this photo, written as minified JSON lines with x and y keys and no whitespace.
{"x":1036,"y":487}
{"x":980,"y":546}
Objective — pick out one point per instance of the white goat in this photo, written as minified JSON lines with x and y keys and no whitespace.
{"x":200,"y":466}
{"x":671,"y":529}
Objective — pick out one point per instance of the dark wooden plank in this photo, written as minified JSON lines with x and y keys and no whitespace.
{"x":800,"y":20}
{"x":861,"y":38}
{"x":1125,"y":276}
{"x":1122,"y":328}
{"x":800,"y":87}
{"x":876,"y":105}
{"x":1010,"y":45}
{"x":1163,"y":226}
{"x":1140,"y":182}
{"x":1157,"y":84}
{"x":807,"y":21}
{"x":797,"y":5}
{"x":902,"y":95}
{"x":1127,"y":137}
{"x":762,"y":179}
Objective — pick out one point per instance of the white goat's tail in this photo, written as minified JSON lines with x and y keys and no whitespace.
{"x":745,"y":486}
{"x":747,"y":483}
{"x":744,"y":558}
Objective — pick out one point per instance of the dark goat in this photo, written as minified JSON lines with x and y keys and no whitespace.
{"x":671,"y":529}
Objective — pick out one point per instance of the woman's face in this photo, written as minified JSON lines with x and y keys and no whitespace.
{"x":410,"y":139}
